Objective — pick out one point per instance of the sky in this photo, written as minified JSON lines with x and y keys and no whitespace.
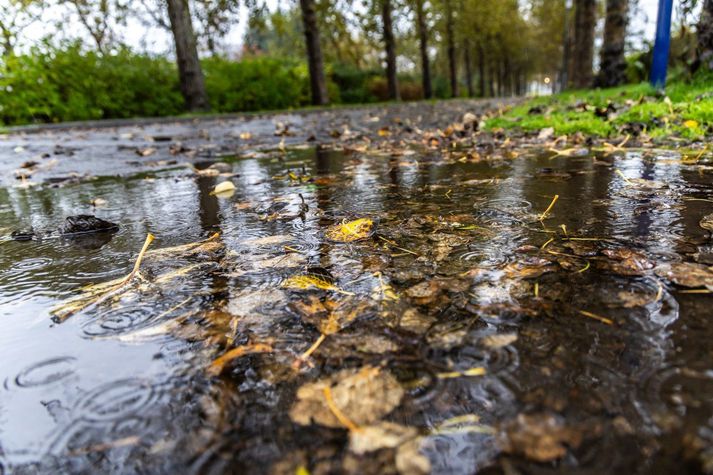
{"x":157,"y":40}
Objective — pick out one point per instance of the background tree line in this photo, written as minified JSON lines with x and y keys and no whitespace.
{"x":321,"y":52}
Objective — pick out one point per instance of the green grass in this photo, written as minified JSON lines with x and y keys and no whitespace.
{"x":689,"y":114}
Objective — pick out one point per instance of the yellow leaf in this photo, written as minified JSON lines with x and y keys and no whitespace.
{"x":352,"y":231}
{"x":690,"y":124}
{"x":225,"y":188}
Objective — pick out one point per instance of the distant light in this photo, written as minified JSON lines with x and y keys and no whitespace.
{"x":547,"y":80}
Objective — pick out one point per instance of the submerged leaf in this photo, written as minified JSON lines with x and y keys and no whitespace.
{"x":686,"y":274}
{"x":707,"y":222}
{"x":315,"y":277}
{"x":351,"y":231}
{"x":539,"y":437}
{"x":363,"y":395}
{"x":384,"y":435}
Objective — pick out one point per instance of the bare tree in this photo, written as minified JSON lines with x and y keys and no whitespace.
{"x":98,"y":17}
{"x":422,"y":28}
{"x":189,"y":67}
{"x":583,"y":51}
{"x":612,"y":71}
{"x":390,"y":46}
{"x":15,"y":16}
{"x":451,"y":48}
{"x":705,"y":37}
{"x":468,"y":69}
{"x":314,"y":53}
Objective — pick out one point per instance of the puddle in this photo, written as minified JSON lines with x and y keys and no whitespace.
{"x":541,"y":345}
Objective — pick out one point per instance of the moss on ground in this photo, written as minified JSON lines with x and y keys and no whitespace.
{"x":685,"y":110}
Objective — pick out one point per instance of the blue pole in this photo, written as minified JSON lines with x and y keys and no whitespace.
{"x":662,"y":44}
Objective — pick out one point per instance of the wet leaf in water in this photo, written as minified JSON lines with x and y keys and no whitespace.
{"x":384,"y":435}
{"x":329,"y":317}
{"x":224,"y":189}
{"x":351,"y":231}
{"x":686,"y":274}
{"x":364,"y":395}
{"x":498,"y":341}
{"x":707,"y":222}
{"x":410,"y":460}
{"x":315,"y":277}
{"x":626,"y":262}
{"x":539,"y":437}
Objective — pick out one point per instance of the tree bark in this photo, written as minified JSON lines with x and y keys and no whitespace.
{"x":481,"y":70}
{"x":468,"y":70}
{"x":189,"y":67}
{"x":451,"y":48}
{"x":423,"y":46}
{"x":566,"y":46}
{"x":705,"y":37}
{"x":390,"y":46}
{"x":612,"y":71}
{"x":583,"y":53}
{"x":318,"y":83}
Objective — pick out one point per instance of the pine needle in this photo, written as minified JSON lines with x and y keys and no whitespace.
{"x":549,"y":208}
{"x":596,"y":317}
{"x":66,"y":311}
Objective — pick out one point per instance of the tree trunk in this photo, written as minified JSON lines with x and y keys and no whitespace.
{"x":705,"y":37}
{"x":451,"y":47}
{"x":468,"y":70}
{"x":423,"y":46}
{"x":189,"y":67}
{"x":491,"y":79}
{"x":566,"y":44}
{"x":390,"y":44}
{"x":612,"y":71}
{"x":481,"y":70}
{"x":584,"y":23}
{"x":317,"y":81}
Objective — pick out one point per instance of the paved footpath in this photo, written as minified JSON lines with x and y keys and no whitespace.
{"x":122,"y":147}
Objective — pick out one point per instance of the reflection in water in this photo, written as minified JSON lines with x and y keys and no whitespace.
{"x":481,"y":311}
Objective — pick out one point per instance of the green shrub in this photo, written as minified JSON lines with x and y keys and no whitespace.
{"x":54,"y":85}
{"x":353,"y":83}
{"x":256,"y":84}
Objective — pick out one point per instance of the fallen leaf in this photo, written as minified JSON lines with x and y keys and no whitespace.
{"x":539,"y":437}
{"x":498,"y":341}
{"x":690,"y":124}
{"x":351,"y":231}
{"x":410,"y":460}
{"x":315,"y":277}
{"x":145,"y":152}
{"x":225,"y":188}
{"x":384,"y":435}
{"x":686,"y":274}
{"x":364,"y":395}
{"x":707,"y":222}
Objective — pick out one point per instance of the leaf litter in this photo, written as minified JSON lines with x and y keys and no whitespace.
{"x":417,"y":285}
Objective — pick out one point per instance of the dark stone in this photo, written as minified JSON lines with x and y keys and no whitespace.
{"x":86,"y":223}
{"x":23,"y":235}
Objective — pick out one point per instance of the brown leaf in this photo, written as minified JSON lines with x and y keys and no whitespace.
{"x":540,"y":437}
{"x":686,"y":274}
{"x":384,"y":435}
{"x":364,"y":395}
